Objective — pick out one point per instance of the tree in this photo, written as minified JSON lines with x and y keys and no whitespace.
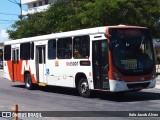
{"x":76,"y":14}
{"x":149,"y":13}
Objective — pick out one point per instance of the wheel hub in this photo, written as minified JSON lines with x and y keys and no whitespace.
{"x":84,"y":87}
{"x":28,"y":82}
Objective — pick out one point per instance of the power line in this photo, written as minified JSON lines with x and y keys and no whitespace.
{"x":19,"y":4}
{"x":8,"y":14}
{"x":7,"y":20}
{"x":15,"y":2}
{"x":4,"y":23}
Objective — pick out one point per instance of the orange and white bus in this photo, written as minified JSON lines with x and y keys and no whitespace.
{"x":113,"y":58}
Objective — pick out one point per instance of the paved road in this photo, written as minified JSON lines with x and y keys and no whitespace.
{"x":65,"y":99}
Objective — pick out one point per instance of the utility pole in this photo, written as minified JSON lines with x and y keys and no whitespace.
{"x":19,"y":4}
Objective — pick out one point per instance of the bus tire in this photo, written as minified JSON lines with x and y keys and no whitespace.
{"x":28,"y":82}
{"x":83,"y":88}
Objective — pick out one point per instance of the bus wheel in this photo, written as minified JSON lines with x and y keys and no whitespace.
{"x":28,"y":82}
{"x":83,"y":88}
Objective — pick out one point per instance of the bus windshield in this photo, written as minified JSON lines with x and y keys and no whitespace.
{"x":132,"y":50}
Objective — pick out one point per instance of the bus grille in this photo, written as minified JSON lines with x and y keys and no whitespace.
{"x":138,"y":85}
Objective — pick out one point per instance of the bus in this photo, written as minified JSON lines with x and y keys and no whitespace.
{"x":108,"y":58}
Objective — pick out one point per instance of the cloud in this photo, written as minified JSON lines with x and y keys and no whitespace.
{"x":3,"y":36}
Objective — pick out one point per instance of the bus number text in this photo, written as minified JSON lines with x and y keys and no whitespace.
{"x":72,"y":63}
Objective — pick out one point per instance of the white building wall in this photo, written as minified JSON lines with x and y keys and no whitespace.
{"x":36,"y":5}
{"x":27,"y":1}
{"x":32,"y":1}
{"x":34,"y":10}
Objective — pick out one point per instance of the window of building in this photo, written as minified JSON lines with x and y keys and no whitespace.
{"x":25,"y":51}
{"x":7,"y":52}
{"x":34,"y":4}
{"x":46,"y":2}
{"x":81,"y":46}
{"x":64,"y":48}
{"x":52,"y":49}
{"x":40,"y":3}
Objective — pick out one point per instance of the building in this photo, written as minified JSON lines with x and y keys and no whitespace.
{"x":34,"y":6}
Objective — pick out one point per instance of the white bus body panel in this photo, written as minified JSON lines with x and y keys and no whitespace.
{"x":117,"y":86}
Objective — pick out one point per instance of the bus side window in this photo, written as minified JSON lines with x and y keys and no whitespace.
{"x":64,"y":48}
{"x":7,"y":52}
{"x":52,"y":49}
{"x":25,"y":53}
{"x":81,"y":47}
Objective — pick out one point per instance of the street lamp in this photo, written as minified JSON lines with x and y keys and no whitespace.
{"x":19,"y":4}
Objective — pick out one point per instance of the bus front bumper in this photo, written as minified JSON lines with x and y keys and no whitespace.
{"x":117,"y":86}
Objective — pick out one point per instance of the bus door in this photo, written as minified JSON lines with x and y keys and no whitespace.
{"x":100,"y":64}
{"x":15,"y":64}
{"x":41,"y":63}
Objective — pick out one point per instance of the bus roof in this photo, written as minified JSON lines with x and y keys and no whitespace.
{"x":88,"y":31}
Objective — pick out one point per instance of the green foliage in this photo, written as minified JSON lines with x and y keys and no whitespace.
{"x":79,"y":14}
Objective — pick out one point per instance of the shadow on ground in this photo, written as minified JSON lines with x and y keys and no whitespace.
{"x":120,"y":97}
